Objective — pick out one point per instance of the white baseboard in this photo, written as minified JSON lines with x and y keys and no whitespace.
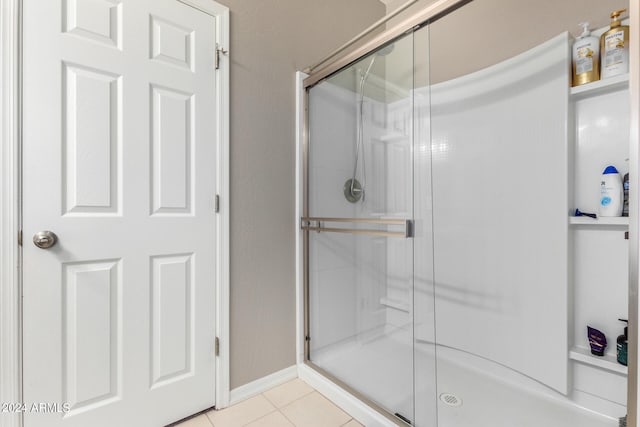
{"x":345,"y":400}
{"x":263,"y":384}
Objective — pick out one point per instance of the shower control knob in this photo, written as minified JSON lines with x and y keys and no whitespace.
{"x":45,"y":239}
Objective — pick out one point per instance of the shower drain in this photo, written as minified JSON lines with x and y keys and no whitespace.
{"x":451,"y":399}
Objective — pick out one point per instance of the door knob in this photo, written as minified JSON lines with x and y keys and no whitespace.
{"x":45,"y":239}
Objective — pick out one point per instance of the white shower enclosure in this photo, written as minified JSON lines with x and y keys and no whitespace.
{"x":440,"y":259}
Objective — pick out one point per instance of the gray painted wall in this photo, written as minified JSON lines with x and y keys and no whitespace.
{"x":270,"y":41}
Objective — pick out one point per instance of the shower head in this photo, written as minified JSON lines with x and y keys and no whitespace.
{"x":384,"y":51}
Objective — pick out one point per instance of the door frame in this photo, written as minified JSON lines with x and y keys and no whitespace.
{"x":11,"y":203}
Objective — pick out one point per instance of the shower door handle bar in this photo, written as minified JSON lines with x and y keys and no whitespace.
{"x":317,"y":224}
{"x":356,"y":231}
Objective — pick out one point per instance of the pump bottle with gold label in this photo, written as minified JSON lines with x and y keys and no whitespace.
{"x":586,"y":57}
{"x":614,"y":48}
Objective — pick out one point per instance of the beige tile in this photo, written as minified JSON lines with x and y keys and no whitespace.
{"x":353,"y":423}
{"x":274,"y":419}
{"x":242,"y":413}
{"x":199,"y":421}
{"x":286,"y":393}
{"x":314,"y":410}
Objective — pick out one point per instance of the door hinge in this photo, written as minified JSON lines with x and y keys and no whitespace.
{"x":219,"y":50}
{"x":20,"y":238}
{"x":217,"y":346}
{"x":217,"y":203}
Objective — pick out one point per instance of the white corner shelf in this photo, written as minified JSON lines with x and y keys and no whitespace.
{"x":609,"y":363}
{"x":614,"y":221}
{"x":600,"y":87}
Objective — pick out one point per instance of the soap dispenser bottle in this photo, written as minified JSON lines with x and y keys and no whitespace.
{"x":621,"y":345}
{"x":614,"y":48}
{"x":586,"y":57}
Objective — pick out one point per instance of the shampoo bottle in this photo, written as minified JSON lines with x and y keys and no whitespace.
{"x":614,"y":48}
{"x":586,"y":57}
{"x":610,"y":192}
{"x":622,"y":345}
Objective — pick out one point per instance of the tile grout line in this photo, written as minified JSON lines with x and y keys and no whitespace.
{"x":289,"y":403}
{"x":288,"y":419}
{"x":274,"y":409}
{"x":263,"y":416}
{"x":300,"y":398}
{"x":208,"y":419}
{"x":323,"y":397}
{"x":294,"y":400}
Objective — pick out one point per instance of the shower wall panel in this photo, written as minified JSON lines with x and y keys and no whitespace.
{"x":499,"y":144}
{"x":389,"y":155}
{"x":332,"y":256}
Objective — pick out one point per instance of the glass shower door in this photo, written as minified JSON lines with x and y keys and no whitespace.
{"x":360,"y":212}
{"x":444,"y":283}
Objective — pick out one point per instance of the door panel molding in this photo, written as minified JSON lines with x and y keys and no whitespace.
{"x":10,"y":203}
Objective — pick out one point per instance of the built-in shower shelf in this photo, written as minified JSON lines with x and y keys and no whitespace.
{"x":583,"y":355}
{"x":600,"y":87}
{"x":393,"y":137}
{"x":392,"y":303}
{"x":615,"y":221}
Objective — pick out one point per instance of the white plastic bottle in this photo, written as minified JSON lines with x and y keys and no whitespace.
{"x":610,"y":192}
{"x":586,"y":57}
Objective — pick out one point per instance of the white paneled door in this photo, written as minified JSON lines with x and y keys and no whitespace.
{"x":119,"y":161}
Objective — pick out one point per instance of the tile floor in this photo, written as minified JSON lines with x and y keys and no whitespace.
{"x":293,"y":404}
